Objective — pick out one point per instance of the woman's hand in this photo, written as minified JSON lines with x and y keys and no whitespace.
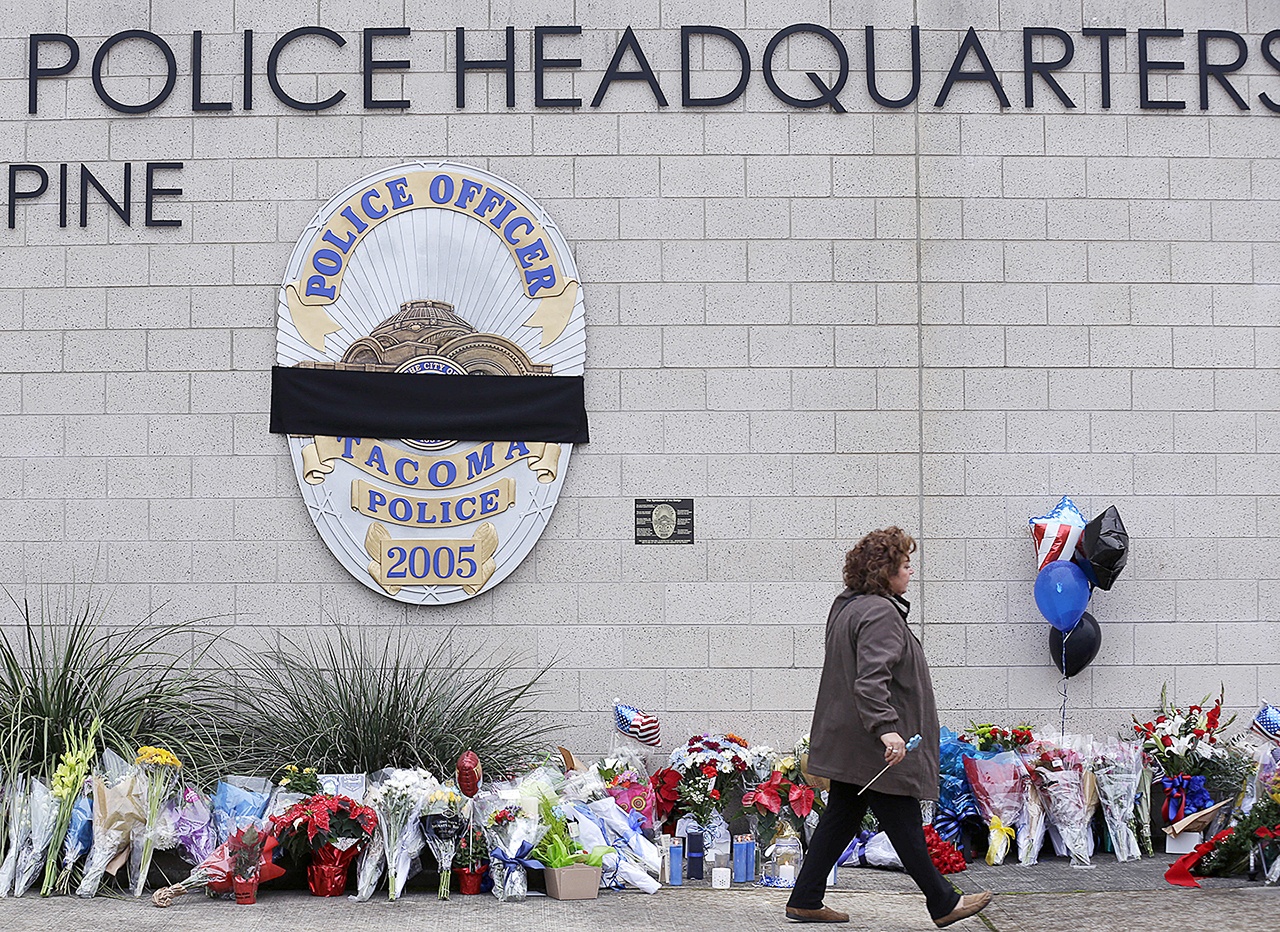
{"x":895,"y":748}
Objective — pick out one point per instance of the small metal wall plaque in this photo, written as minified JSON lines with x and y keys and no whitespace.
{"x":664,"y":521}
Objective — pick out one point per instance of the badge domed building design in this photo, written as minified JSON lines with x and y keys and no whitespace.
{"x":424,"y":330}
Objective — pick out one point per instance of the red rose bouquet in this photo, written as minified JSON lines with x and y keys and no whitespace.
{"x":1058,"y":774}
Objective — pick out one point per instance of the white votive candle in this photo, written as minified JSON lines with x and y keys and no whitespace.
{"x":787,"y":873}
{"x":720,"y":877}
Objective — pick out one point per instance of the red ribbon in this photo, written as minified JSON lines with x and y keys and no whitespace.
{"x":1179,"y":872}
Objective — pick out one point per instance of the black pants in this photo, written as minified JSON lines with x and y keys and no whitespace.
{"x":899,"y":819}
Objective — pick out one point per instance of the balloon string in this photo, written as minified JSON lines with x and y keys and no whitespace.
{"x":1062,"y":683}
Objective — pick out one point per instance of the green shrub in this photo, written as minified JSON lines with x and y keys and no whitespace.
{"x":64,"y":665}
{"x":354,"y":706}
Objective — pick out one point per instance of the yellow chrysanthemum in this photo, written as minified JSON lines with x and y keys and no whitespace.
{"x":157,"y":757}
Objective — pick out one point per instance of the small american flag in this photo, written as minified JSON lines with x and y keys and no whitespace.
{"x":638,"y":724}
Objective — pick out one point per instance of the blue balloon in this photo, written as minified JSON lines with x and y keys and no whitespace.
{"x":1062,"y":594}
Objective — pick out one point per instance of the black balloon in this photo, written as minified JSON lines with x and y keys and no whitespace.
{"x":1103,"y":549}
{"x":1075,"y":650}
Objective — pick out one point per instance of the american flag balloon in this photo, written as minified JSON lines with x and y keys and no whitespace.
{"x":1267,"y":723}
{"x":637,"y":723}
{"x":1057,"y":533}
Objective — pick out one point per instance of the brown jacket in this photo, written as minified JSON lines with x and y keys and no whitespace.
{"x":874,"y":681}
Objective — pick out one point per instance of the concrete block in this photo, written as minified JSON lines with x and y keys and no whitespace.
{"x":1137,"y":431}
{"x":1043,"y":261}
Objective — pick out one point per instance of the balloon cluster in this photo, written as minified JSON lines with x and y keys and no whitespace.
{"x":1074,"y":557}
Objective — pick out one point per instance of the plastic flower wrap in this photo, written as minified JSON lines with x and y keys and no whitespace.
{"x":512,"y":831}
{"x":627,"y":780}
{"x":18,"y":819}
{"x":1059,"y":775}
{"x":1118,"y":767}
{"x":43,"y":815}
{"x":159,"y":768}
{"x":443,"y":824}
{"x":398,"y":797}
{"x":192,"y":826}
{"x":1142,"y":810}
{"x":1031,"y":824}
{"x":997,"y":784}
{"x":119,"y":810}
{"x":956,"y":802}
{"x":232,"y":802}
{"x":622,"y":865}
{"x":79,"y":836}
{"x":68,"y":789}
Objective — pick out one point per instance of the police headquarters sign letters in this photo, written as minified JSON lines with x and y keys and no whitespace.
{"x":431,"y":339}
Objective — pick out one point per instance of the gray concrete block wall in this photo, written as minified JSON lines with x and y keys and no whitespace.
{"x":813,"y":323}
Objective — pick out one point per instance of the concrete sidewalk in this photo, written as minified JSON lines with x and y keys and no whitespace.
{"x":1045,"y":898}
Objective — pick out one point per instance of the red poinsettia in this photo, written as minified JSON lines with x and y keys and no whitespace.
{"x":322,"y":819}
{"x":801,"y":799}
{"x":767,"y":796}
{"x":666,"y":792}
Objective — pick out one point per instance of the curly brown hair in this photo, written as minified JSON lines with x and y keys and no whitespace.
{"x":876,"y":559}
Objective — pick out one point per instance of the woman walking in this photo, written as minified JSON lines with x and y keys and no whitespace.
{"x":875,"y":689}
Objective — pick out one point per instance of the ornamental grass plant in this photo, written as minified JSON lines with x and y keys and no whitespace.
{"x":353,"y":704}
{"x":64,"y":665}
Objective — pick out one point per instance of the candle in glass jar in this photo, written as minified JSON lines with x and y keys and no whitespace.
{"x":787,"y":873}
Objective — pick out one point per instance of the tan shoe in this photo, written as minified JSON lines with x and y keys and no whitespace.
{"x":970,"y":905}
{"x":822,"y":914}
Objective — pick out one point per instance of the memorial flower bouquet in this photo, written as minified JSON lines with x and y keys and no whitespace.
{"x":325,"y":832}
{"x":986,"y":736}
{"x":68,"y":788}
{"x":627,"y":781}
{"x":159,"y":769}
{"x":1059,"y":775}
{"x":193,"y":828}
{"x":445,"y":825}
{"x":304,"y":780}
{"x":512,"y":832}
{"x":1186,"y":748}
{"x":1118,"y":767}
{"x":232,"y":866}
{"x":711,"y":772}
{"x":997,"y":784}
{"x":119,"y":810}
{"x":398,"y":799}
{"x":42,"y":815}
{"x":956,"y":802}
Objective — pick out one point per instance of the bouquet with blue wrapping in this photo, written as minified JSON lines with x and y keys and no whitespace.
{"x":512,"y":830}
{"x":79,"y":832}
{"x":247,"y":797}
{"x":956,"y":802}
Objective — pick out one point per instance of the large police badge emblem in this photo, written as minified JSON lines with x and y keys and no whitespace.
{"x":431,"y":268}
